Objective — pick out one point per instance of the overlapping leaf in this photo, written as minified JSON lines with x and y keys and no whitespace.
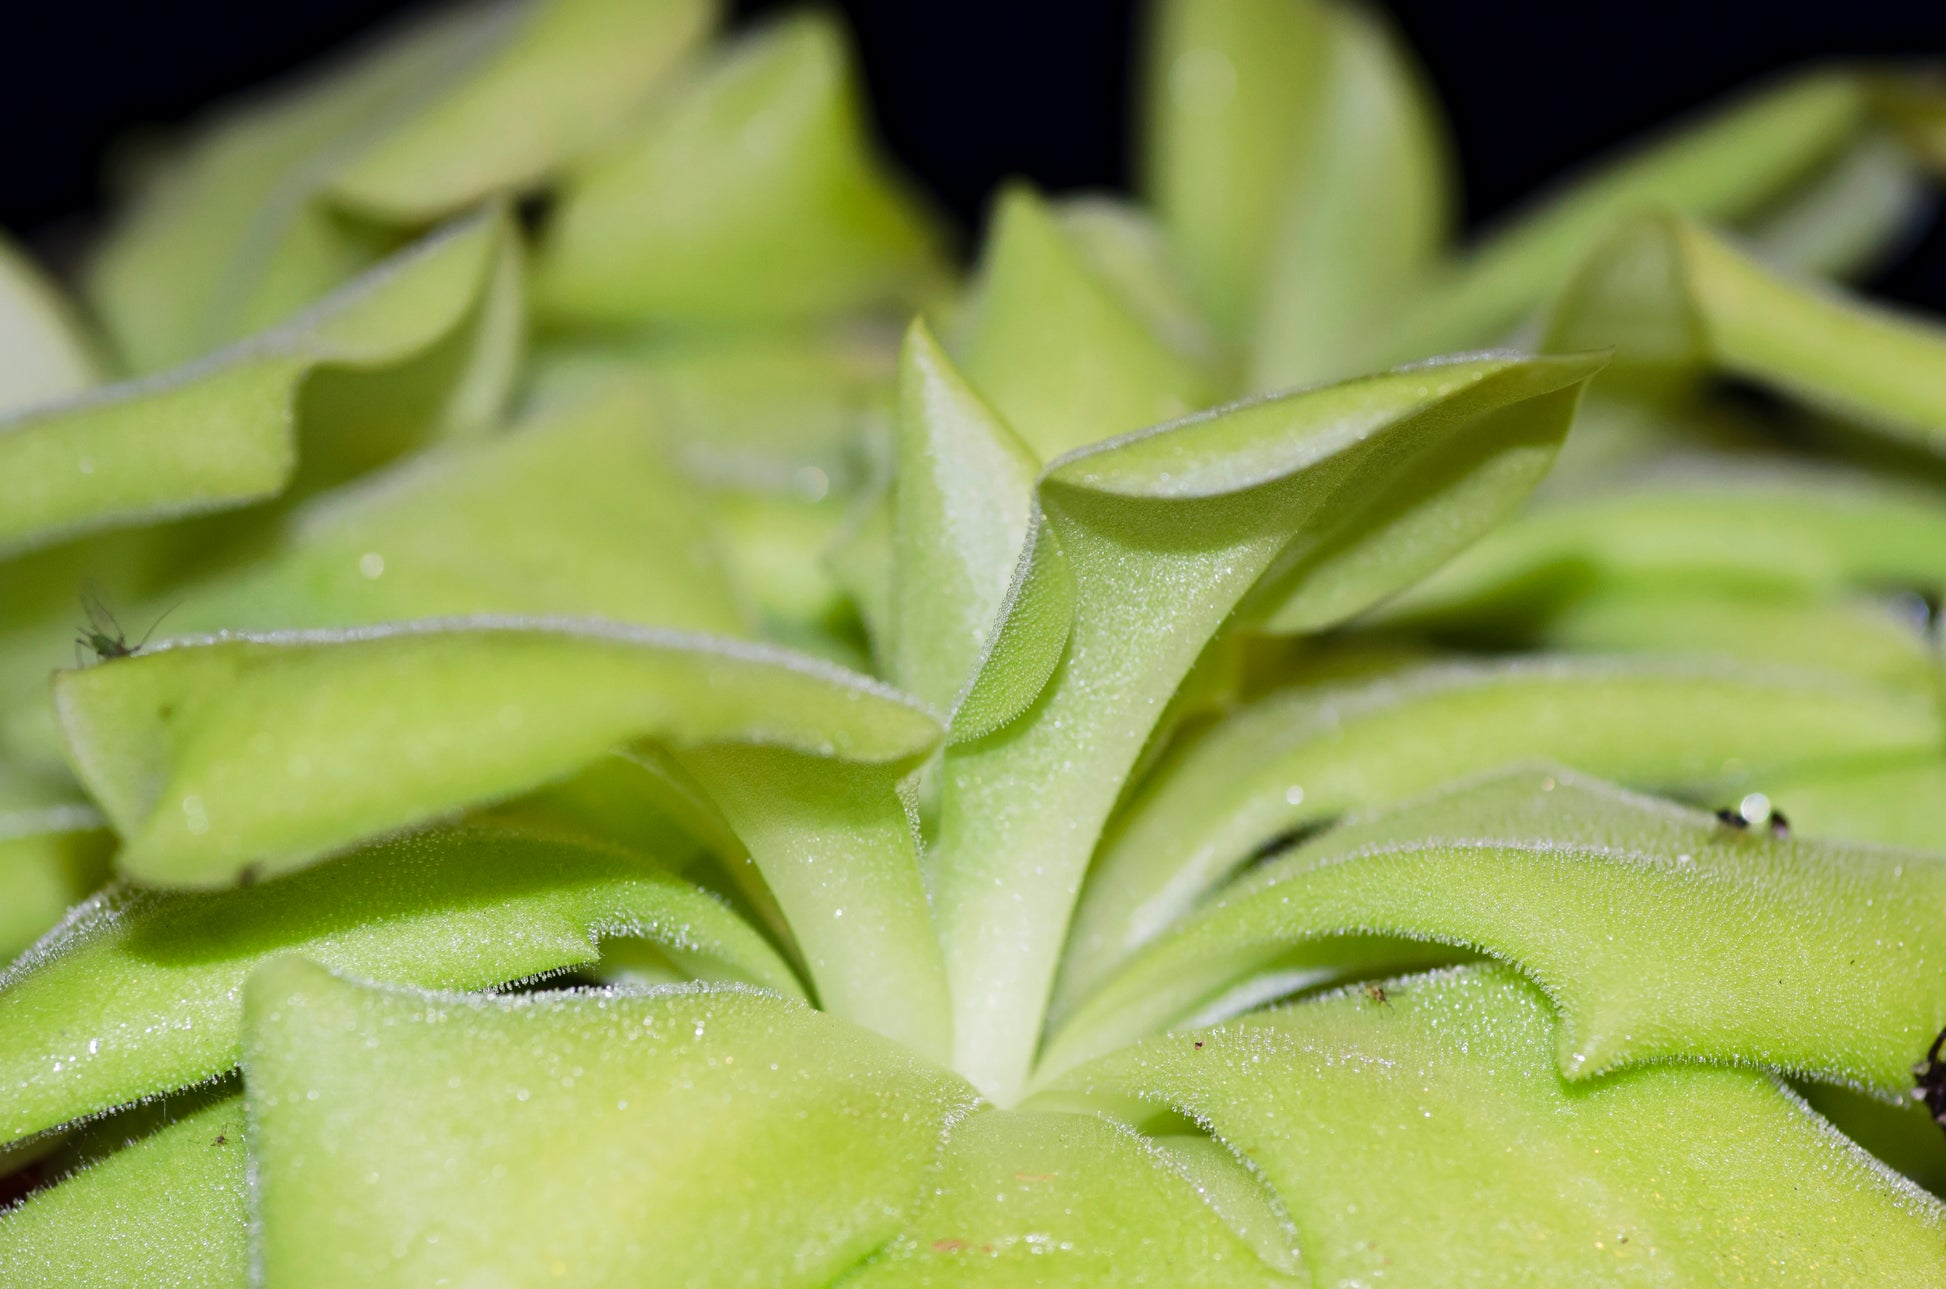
{"x":1144,"y":546}
{"x":138,"y":993}
{"x":423,"y":342}
{"x":236,"y":756}
{"x":750,"y":196}
{"x":1662,"y":934}
{"x":1427,"y":1138}
{"x":684,"y":1136}
{"x":1305,"y":756}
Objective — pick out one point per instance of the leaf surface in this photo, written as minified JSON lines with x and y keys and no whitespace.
{"x":1303,"y":757}
{"x":1428,"y":1138}
{"x":137,"y":994}
{"x":1661,"y":933}
{"x":1160,"y":536}
{"x":690,"y":1136}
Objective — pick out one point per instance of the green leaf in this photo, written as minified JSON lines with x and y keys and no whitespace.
{"x":1064,"y":1199}
{"x":1678,"y":302}
{"x":419,"y":343}
{"x":224,"y":237}
{"x":962,"y":502}
{"x":138,"y":993}
{"x":1660,"y":933}
{"x":44,"y":354}
{"x":751,"y":196}
{"x":1427,"y":1138}
{"x":251,"y":755}
{"x":1050,"y":343}
{"x":1163,"y":533}
{"x":1305,"y":756}
{"x":208,"y":756}
{"x":1857,"y":635}
{"x":1730,"y":164}
{"x":1895,"y":805}
{"x":687,"y":1136}
{"x":165,"y":1207}
{"x":54,"y":850}
{"x":572,"y":74}
{"x":1716,"y":527}
{"x":1298,"y":161}
{"x":606,"y":528}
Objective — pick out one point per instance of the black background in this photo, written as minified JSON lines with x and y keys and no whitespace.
{"x":967,"y":92}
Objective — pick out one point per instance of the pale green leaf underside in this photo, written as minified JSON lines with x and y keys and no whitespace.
{"x":689,"y":1136}
{"x":1661,"y":933}
{"x":750,"y":195}
{"x":54,"y":850}
{"x":1674,"y":298}
{"x":242,"y":753}
{"x":168,"y":1207}
{"x":137,"y":994}
{"x":1427,"y":1138}
{"x":232,"y":428}
{"x":1310,"y":754}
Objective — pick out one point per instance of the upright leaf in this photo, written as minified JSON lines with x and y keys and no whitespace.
{"x":751,"y":196}
{"x":686,"y":1136}
{"x":961,"y":506}
{"x":44,"y":355}
{"x":1048,"y":340}
{"x":1157,"y":538}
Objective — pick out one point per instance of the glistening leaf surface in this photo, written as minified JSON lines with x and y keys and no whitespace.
{"x":1661,"y":933}
{"x":1160,"y":536}
{"x":1312,"y":753}
{"x":688,"y":1136}
{"x":1428,"y":1138}
{"x":138,"y":992}
{"x":165,"y":1207}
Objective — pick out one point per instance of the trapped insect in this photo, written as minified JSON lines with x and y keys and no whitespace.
{"x":102,"y":635}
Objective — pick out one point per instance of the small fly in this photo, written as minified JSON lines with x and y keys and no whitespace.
{"x":1376,"y":993}
{"x":102,"y":635}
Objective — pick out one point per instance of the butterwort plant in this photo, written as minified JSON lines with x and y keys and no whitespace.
{"x":1238,"y":740}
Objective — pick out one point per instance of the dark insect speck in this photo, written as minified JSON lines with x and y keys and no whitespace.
{"x":1779,"y":826}
{"x":1731,"y":819}
{"x":1377,"y":994}
{"x":102,"y":635}
{"x":1199,"y":1044}
{"x":1930,"y":1076}
{"x":220,"y":1139}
